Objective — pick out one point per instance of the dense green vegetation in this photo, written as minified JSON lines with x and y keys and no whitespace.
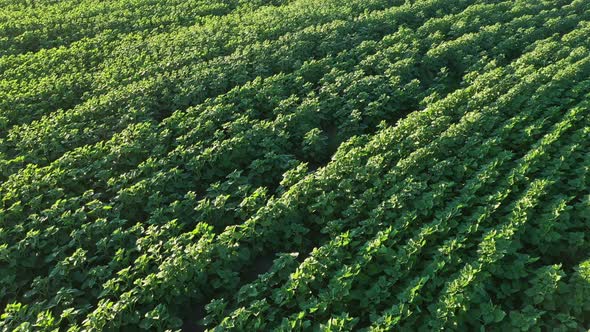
{"x":300,"y":165}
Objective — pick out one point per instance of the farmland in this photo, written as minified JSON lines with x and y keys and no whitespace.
{"x":295,"y":165}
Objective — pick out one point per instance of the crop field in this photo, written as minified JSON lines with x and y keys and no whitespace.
{"x":294,"y":165}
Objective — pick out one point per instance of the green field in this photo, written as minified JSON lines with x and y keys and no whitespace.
{"x":295,"y":165}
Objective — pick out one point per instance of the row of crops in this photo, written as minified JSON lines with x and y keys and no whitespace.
{"x":257,"y":165}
